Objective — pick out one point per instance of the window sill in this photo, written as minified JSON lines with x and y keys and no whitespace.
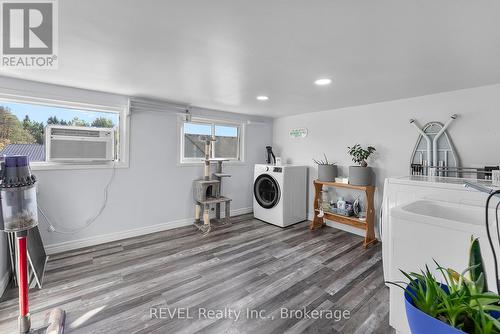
{"x":202,"y":163}
{"x":61,"y":166}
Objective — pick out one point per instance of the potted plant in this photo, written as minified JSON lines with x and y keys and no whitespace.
{"x":360,"y":175}
{"x":327,"y":171}
{"x":462,"y":305}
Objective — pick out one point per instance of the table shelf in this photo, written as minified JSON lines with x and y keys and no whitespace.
{"x":366,"y":225}
{"x":342,"y":185}
{"x":353,"y":221}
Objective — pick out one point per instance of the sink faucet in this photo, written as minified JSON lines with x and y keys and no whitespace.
{"x":480,"y":188}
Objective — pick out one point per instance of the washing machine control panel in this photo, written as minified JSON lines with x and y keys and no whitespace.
{"x":277,"y":169}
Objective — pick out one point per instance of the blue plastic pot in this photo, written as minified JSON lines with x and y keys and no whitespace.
{"x":422,"y":323}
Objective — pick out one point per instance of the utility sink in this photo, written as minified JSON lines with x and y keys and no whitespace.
{"x":425,"y":231}
{"x":445,"y":214}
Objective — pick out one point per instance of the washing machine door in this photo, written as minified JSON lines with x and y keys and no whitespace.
{"x":266,"y":191}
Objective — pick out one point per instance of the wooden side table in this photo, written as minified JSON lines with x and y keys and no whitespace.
{"x":367,"y":225}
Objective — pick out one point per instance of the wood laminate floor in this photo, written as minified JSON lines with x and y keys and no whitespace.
{"x":263,"y":271}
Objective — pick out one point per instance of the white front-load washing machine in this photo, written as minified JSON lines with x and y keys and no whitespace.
{"x":279,"y":194}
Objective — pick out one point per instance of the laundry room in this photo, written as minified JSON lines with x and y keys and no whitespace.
{"x":249,"y":167}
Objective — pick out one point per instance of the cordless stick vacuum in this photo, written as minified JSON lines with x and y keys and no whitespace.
{"x":19,"y":213}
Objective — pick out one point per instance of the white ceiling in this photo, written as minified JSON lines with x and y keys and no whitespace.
{"x":221,"y":54}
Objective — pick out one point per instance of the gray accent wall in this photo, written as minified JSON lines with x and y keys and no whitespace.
{"x":153,"y":190}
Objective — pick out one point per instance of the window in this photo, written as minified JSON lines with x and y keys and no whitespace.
{"x":227,"y":144}
{"x":80,"y":134}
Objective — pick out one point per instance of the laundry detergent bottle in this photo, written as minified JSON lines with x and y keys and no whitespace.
{"x":341,"y":204}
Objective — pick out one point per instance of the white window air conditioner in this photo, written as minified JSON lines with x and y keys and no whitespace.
{"x":76,"y":143}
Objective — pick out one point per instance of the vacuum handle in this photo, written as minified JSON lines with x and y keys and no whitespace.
{"x":24,"y":321}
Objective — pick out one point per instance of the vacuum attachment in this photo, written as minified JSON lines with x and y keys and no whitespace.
{"x":56,"y":321}
{"x":270,"y":154}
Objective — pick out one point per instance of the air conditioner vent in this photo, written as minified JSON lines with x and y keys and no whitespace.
{"x":71,"y":143}
{"x":74,"y":132}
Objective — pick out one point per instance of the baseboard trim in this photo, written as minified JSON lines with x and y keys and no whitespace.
{"x":102,"y":239}
{"x":4,"y":282}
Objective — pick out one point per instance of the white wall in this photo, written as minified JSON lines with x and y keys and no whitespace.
{"x":476,"y":133}
{"x":153,"y":190}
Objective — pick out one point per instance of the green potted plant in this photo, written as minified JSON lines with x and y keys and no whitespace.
{"x":327,"y":171}
{"x":462,"y":304}
{"x":360,"y":175}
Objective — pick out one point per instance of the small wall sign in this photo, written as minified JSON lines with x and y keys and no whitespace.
{"x":298,"y":133}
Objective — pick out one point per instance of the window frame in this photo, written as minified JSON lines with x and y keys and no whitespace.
{"x":122,"y":110}
{"x":183,"y":161}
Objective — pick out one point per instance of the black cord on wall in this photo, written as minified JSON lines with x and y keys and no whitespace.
{"x":489,"y":235}
{"x":496,"y":217}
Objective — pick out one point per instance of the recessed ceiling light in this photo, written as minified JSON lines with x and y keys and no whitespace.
{"x":323,"y":82}
{"x":262,"y":98}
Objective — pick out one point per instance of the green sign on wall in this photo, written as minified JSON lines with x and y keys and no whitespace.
{"x":298,"y":133}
